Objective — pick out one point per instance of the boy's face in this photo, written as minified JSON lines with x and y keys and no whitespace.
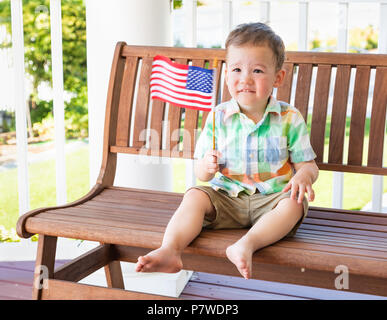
{"x":251,"y":75}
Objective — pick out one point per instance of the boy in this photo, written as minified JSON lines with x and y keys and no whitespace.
{"x":259,"y":142}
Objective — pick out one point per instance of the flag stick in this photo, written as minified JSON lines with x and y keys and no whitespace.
{"x":215,"y":67}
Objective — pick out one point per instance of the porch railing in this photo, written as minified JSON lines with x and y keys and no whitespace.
{"x":229,"y":13}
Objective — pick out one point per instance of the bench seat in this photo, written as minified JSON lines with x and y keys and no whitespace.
{"x":137,"y":218}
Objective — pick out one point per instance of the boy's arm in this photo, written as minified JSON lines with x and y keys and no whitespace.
{"x":306,"y":175}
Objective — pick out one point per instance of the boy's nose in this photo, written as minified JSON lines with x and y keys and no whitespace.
{"x":245,"y":78}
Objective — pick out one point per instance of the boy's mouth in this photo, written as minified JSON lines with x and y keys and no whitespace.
{"x":246,"y":91}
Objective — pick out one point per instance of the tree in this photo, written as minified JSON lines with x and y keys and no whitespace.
{"x":37,"y":44}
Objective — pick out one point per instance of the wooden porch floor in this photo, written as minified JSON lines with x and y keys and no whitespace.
{"x":16,"y":284}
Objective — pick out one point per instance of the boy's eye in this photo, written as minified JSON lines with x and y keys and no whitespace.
{"x":257,"y":71}
{"x":236,"y":70}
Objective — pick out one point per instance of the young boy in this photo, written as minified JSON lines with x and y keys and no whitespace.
{"x":259,"y":142}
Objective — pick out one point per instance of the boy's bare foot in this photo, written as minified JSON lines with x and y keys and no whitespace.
{"x":241,"y":256}
{"x":160,"y":260}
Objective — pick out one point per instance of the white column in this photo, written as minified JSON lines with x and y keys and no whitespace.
{"x":57,"y":84}
{"x":382,"y":42}
{"x":265,"y":12}
{"x":227,"y":19}
{"x":342,"y":38}
{"x":190,"y":13}
{"x":20,"y":105}
{"x":303,"y":25}
{"x":145,"y":22}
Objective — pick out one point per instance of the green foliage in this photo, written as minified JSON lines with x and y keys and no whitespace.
{"x":38,"y":63}
{"x":366,"y":38}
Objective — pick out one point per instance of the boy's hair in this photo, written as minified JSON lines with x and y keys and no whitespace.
{"x":258,"y":34}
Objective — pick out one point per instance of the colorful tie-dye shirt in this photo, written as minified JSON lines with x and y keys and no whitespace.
{"x":255,"y":156}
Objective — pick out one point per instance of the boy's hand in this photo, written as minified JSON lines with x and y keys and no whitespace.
{"x":211,"y":161}
{"x":300,"y":183}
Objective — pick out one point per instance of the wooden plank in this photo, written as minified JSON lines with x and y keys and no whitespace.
{"x":290,"y":290}
{"x":174,"y":123}
{"x":304,"y":79}
{"x":353,"y":169}
{"x":317,"y":136}
{"x":303,"y":274}
{"x":142,"y":105}
{"x":113,"y":274}
{"x":358,"y":116}
{"x":108,"y":165}
{"x":126,"y":101}
{"x":65,"y":290}
{"x":156,"y":126}
{"x":378,"y":119}
{"x":84,"y":265}
{"x":285,"y":90}
{"x":339,"y":114}
{"x":45,"y":261}
{"x":334,"y":59}
{"x":191,"y":121}
{"x":296,"y":57}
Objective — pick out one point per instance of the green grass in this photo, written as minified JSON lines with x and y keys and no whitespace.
{"x":42,"y":185}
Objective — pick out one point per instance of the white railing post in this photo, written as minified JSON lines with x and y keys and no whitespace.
{"x":57,"y":83}
{"x":190,"y":8}
{"x":342,"y":36}
{"x":303,"y":25}
{"x":264,"y":12}
{"x":20,"y":105}
{"x":377,"y":181}
{"x":227,"y":19}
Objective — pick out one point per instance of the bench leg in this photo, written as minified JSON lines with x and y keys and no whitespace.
{"x":113,"y":274}
{"x":44,"y":266}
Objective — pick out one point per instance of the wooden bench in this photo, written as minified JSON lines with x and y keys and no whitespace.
{"x":128,"y":222}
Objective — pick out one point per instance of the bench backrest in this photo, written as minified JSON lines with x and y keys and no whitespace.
{"x":320,"y":85}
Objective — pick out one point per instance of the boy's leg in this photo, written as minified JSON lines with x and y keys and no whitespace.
{"x":184,"y":226}
{"x":271,"y":227}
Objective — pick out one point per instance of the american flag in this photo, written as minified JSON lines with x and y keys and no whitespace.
{"x":181,"y":85}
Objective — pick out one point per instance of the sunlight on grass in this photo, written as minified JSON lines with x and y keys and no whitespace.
{"x":42,"y":185}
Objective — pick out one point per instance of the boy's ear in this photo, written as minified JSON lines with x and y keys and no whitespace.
{"x":279,"y":78}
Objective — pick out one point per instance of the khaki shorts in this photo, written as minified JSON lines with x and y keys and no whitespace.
{"x":244,"y":210}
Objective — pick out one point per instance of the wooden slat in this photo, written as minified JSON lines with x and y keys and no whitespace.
{"x":304,"y":78}
{"x":142,"y":105}
{"x":84,"y":265}
{"x":191,"y":120}
{"x":285,"y":90}
{"x":174,"y":122}
{"x":378,"y":119}
{"x":65,"y":290}
{"x":358,"y":116}
{"x":156,"y":126}
{"x":322,"y":277}
{"x":353,"y":169}
{"x":339,"y":114}
{"x":334,"y":59}
{"x":296,"y":57}
{"x":126,"y":101}
{"x":320,"y":110}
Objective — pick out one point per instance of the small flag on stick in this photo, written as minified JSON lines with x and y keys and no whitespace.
{"x":215,"y":66}
{"x":182,"y":85}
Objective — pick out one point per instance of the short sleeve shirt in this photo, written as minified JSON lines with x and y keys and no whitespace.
{"x":255,"y":155}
